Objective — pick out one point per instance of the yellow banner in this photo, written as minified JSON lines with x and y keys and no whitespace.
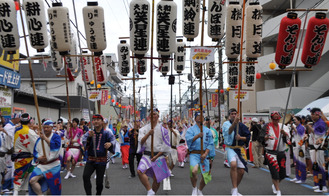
{"x":14,"y":65}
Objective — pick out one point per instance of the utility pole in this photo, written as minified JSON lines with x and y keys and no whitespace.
{"x":220,"y":84}
{"x":191,"y":87}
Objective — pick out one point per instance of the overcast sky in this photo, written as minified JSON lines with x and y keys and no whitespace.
{"x":116,"y":24}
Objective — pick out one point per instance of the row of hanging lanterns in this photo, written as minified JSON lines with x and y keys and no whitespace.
{"x":315,"y":37}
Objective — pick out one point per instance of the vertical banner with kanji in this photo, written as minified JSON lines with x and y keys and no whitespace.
{"x":105,"y":95}
{"x":214,"y":98}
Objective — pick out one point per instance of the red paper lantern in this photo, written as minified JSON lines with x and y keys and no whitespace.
{"x":258,"y":75}
{"x":287,"y":40}
{"x":236,"y":86}
{"x":117,"y":103}
{"x":112,"y":100}
{"x":315,"y":38}
{"x":221,"y":91}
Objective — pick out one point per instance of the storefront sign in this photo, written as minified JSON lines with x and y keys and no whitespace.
{"x":9,"y":78}
{"x":5,"y":97}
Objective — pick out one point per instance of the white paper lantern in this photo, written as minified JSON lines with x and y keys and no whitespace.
{"x":197,"y":69}
{"x":233,"y":30}
{"x":56,"y":60}
{"x":233,"y":73}
{"x":141,"y":66}
{"x":9,"y":36}
{"x":254,"y":26}
{"x":88,"y":72}
{"x":139,"y":26}
{"x":166,"y":27}
{"x":124,"y":57}
{"x":191,"y":19}
{"x":72,"y":62}
{"x":180,"y":54}
{"x":35,"y":16}
{"x":250,"y":71}
{"x":60,"y":30}
{"x":216,"y":19}
{"x":164,"y":66}
{"x":211,"y":71}
{"x":93,"y":17}
{"x":100,"y":69}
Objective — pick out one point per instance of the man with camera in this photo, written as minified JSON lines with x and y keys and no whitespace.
{"x":257,"y":146}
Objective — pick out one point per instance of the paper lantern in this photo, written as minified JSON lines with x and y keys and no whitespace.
{"x":216,"y":19}
{"x":117,"y":103}
{"x":287,"y":40}
{"x":191,"y":19}
{"x":99,"y":86}
{"x":9,"y":36}
{"x":254,"y":25}
{"x":250,"y":71}
{"x":258,"y":75}
{"x":124,"y":57}
{"x":164,"y":66}
{"x":166,"y":27}
{"x":196,"y":68}
{"x":139,"y":11}
{"x":100,"y":69}
{"x":228,"y":89}
{"x":216,"y":91}
{"x":35,"y":16}
{"x":204,"y":106}
{"x":210,"y":67}
{"x":233,"y":30}
{"x":221,"y":91}
{"x":109,"y":97}
{"x":209,"y":100}
{"x":93,"y":17}
{"x":233,"y":73}
{"x":141,"y":66}
{"x":60,"y":30}
{"x":88,"y":70}
{"x":180,"y":54}
{"x":56,"y":60}
{"x":315,"y":38}
{"x":236,"y":87}
{"x":112,"y":100}
{"x":72,"y":62}
{"x":272,"y":65}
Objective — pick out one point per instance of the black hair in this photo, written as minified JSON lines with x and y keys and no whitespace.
{"x":75,"y":120}
{"x":298,"y":118}
{"x":232,"y":110}
{"x":313,"y":110}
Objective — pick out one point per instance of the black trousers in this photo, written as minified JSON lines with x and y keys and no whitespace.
{"x":131,"y":162}
{"x":88,"y":171}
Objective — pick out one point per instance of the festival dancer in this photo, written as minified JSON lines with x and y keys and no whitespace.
{"x":46,"y":173}
{"x":174,"y":141}
{"x":10,"y":130}
{"x":125,"y":145}
{"x":200,"y":162}
{"x":182,"y":146}
{"x":74,"y":135}
{"x":5,"y":146}
{"x":299,"y":150}
{"x":275,"y":140}
{"x":236,"y":136}
{"x":24,"y":141}
{"x":98,"y":143}
{"x":117,"y":152}
{"x":161,"y":147}
{"x":133,"y":135}
{"x":317,"y":152}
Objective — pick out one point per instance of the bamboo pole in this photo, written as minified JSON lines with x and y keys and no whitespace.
{"x":67,"y":90}
{"x":134,"y":95}
{"x":32,"y":80}
{"x":151,"y":79}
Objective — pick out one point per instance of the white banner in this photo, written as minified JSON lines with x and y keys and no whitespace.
{"x":202,"y":54}
{"x":95,"y":95}
{"x":244,"y":95}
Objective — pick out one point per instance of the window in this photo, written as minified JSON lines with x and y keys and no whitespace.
{"x":41,"y":86}
{"x":79,"y":90}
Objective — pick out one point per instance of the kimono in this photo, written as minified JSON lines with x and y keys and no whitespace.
{"x":75,"y":148}
{"x":61,"y":133}
{"x":234,"y":148}
{"x":161,"y":144}
{"x":51,"y":170}
{"x":24,"y":141}
{"x":195,"y":159}
{"x":174,"y":140}
{"x":8,"y":177}
{"x":4,"y":147}
{"x":300,"y":147}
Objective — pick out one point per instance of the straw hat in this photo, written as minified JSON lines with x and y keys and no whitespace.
{"x":287,"y":119}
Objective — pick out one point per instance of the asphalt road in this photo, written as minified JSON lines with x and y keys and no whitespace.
{"x":256,"y":182}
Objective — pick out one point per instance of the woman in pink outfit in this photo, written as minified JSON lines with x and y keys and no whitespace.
{"x":74,"y":136}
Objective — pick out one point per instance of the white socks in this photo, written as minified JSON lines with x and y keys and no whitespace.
{"x":150,"y":192}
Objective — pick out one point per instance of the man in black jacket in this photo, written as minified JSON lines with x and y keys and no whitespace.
{"x":257,"y":146}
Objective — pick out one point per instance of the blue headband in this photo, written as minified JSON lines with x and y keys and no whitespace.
{"x":49,"y":123}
